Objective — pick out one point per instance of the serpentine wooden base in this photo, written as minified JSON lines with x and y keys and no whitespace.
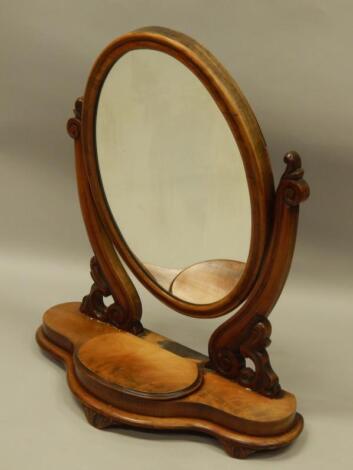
{"x":151,"y":382}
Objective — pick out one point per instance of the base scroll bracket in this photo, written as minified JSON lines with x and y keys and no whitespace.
{"x":232,"y":362}
{"x":93,"y":304}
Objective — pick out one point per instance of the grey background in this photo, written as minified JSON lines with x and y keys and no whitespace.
{"x":294,"y":62}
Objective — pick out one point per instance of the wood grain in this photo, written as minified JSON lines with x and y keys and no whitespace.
{"x":127,"y":363}
{"x":218,"y":398}
{"x":243,"y":421}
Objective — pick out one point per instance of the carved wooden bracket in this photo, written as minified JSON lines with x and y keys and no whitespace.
{"x":247,"y":334}
{"x":93,"y":304}
{"x":230,"y":361}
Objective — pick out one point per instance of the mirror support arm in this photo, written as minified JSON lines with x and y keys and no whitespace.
{"x":246,"y":334}
{"x":108,"y":274}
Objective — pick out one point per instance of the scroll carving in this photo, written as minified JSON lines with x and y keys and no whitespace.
{"x":74,"y":124}
{"x":231,"y":361}
{"x":294,"y":187}
{"x":93,"y":304}
{"x":247,"y":334}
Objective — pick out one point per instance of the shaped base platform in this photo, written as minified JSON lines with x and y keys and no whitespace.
{"x":151,"y":382}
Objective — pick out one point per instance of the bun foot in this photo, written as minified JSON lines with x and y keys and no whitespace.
{"x":235,"y":450}
{"x":97,"y":420}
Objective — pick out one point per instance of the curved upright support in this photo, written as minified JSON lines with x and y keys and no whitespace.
{"x":109,"y":276}
{"x":246,"y":334}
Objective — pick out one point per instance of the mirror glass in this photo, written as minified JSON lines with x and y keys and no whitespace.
{"x":173,"y":176}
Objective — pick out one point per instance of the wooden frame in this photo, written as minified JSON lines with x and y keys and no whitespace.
{"x":176,"y":388}
{"x":248,"y":137}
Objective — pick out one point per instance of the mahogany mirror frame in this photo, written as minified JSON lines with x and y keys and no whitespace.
{"x":165,"y":385}
{"x":247,"y":135}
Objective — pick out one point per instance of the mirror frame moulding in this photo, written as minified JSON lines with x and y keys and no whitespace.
{"x":247,"y":135}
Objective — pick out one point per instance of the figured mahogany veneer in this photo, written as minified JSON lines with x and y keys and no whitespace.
{"x":126,"y":364}
{"x":193,"y":398}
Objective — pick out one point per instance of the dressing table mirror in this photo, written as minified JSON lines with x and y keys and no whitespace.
{"x":175,"y":185}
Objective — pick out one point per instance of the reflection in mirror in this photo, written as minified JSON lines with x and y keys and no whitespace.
{"x":173,"y":176}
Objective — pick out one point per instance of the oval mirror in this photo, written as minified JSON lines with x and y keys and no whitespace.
{"x":177,"y":172}
{"x":173,"y":176}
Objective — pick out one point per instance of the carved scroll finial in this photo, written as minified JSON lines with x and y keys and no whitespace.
{"x":93,"y":304}
{"x":294,"y":165}
{"x":294,"y":187}
{"x":74,"y":124}
{"x":78,"y":107}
